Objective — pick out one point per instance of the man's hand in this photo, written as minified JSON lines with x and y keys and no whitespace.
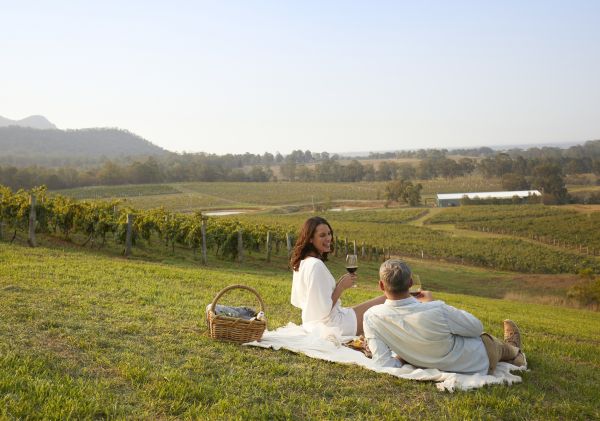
{"x":425,"y":296}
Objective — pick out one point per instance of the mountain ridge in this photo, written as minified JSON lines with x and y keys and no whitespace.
{"x":22,"y":146}
{"x":33,"y":121}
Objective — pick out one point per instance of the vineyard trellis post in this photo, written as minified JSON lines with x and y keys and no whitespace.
{"x":354,"y":247}
{"x":31,"y":236}
{"x":240,"y":246}
{"x":203,"y":232}
{"x":288,"y":240}
{"x":336,"y":246}
{"x":362,"y":251}
{"x":268,"y":246}
{"x":128,"y":235}
{"x":346,"y":245}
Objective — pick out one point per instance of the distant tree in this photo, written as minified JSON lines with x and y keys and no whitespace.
{"x":548,"y":178}
{"x":387,"y":170}
{"x":448,"y":168}
{"x":303,"y":173}
{"x":268,"y":158}
{"x":308,"y":156}
{"x":513,"y":181}
{"x":596,"y":166}
{"x":467,"y":165}
{"x":144,"y":172}
{"x":258,"y":173}
{"x":369,"y":172}
{"x":407,"y":171}
{"x":354,"y":171}
{"x":237,"y":174}
{"x":405,"y":191}
{"x":110,"y":174}
{"x":288,"y":168}
{"x":412,"y":194}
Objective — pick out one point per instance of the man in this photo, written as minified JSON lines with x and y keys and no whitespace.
{"x":432,"y":334}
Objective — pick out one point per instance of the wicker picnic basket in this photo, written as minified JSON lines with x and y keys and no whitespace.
{"x":234,"y":329}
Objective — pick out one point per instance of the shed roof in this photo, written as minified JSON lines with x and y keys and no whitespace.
{"x":489,"y":194}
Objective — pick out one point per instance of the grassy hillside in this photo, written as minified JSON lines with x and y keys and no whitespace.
{"x":89,"y":336}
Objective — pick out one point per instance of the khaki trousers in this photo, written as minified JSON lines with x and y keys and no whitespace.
{"x":498,"y":350}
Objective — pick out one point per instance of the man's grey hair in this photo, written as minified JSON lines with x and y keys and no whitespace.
{"x":395,"y":275}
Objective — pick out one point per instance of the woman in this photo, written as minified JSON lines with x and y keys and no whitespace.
{"x":314,"y":289}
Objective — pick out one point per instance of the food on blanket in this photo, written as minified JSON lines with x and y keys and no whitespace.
{"x":359,"y":344}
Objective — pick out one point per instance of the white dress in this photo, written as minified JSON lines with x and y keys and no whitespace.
{"x":312,"y":286}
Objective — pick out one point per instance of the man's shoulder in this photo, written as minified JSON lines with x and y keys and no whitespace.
{"x":376,"y":310}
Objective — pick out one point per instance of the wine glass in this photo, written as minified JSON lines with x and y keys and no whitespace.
{"x":415,"y":288}
{"x":352,"y":265}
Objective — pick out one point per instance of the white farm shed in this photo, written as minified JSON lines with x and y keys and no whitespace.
{"x":445,"y":200}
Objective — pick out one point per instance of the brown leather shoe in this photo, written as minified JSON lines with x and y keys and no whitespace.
{"x":520,"y":360}
{"x":511,"y":333}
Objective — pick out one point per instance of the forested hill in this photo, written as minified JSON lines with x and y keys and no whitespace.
{"x":52,"y":147}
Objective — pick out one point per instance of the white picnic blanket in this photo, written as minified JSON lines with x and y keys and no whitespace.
{"x":324,"y":343}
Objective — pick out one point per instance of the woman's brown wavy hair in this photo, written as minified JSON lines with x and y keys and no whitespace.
{"x":303,"y":245}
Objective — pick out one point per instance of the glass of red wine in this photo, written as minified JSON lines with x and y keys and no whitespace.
{"x":352,"y":265}
{"x":415,"y":289}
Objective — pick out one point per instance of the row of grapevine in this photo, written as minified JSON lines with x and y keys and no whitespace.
{"x":422,"y":242}
{"x":97,"y":221}
{"x":558,"y":227}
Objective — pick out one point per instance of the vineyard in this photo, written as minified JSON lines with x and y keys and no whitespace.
{"x":99,"y":221}
{"x":376,"y":232}
{"x":558,"y":227}
{"x":131,"y":190}
{"x":210,"y":195}
{"x":406,"y":240}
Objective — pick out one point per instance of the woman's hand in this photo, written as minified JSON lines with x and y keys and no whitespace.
{"x":347,"y":281}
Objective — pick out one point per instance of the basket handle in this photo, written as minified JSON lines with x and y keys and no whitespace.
{"x":229,"y":288}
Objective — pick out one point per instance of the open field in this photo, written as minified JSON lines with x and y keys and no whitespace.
{"x":188,"y":197}
{"x":84,"y":335}
{"x":193,"y":196}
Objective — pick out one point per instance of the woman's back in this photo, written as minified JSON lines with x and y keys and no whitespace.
{"x":312,"y":287}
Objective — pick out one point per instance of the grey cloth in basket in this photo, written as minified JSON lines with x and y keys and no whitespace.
{"x":239,"y":312}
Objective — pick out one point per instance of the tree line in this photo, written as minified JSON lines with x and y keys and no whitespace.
{"x":518,"y":172}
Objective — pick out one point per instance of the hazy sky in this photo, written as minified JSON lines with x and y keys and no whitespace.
{"x":255,"y":76}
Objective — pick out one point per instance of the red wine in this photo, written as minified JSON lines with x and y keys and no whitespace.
{"x":414,"y":293}
{"x":351,"y":269}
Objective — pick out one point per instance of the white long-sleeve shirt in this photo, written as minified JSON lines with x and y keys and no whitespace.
{"x":428,"y":335}
{"x":312,"y":287}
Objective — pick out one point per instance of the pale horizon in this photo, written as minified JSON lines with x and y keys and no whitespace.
{"x":341,"y":77}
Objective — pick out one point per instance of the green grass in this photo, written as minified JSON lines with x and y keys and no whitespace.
{"x":86,"y":335}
